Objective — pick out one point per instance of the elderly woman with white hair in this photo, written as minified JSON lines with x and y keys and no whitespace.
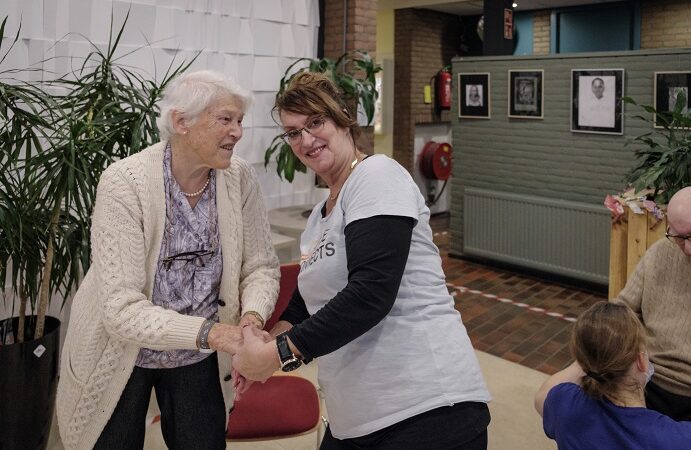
{"x":181,"y":260}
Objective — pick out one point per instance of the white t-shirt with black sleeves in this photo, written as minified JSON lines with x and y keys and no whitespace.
{"x":419,"y":357}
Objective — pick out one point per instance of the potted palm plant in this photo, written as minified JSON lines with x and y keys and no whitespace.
{"x":353,"y":73}
{"x":54,"y":149}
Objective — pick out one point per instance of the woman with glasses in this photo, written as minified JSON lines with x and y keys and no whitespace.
{"x":182,"y":259}
{"x":598,"y":402}
{"x":395,"y":361}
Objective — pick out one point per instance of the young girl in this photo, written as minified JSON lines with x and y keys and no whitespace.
{"x":598,"y":401}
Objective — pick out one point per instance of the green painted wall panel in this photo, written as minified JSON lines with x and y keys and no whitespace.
{"x":543,"y":157}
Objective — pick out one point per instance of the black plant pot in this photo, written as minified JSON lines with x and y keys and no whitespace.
{"x":27,"y":388}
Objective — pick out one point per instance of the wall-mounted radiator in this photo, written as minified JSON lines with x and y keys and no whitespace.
{"x":561,"y":237}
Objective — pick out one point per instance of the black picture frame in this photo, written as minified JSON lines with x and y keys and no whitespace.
{"x":596,"y":104}
{"x":473,"y":95}
{"x":526,"y":94}
{"x":666,"y":87}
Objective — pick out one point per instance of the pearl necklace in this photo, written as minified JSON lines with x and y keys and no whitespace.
{"x":355,"y":162}
{"x":194,"y":194}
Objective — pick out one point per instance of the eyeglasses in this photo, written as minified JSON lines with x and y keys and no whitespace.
{"x":200,"y":258}
{"x":196,"y":257}
{"x":312,"y":126}
{"x":679,"y":240}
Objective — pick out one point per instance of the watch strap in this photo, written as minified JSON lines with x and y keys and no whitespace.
{"x":203,"y":336}
{"x":286,"y":357}
{"x":284,"y":352}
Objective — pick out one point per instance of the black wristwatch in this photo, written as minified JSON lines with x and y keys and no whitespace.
{"x":288,"y":359}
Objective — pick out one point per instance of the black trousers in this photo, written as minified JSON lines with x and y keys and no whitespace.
{"x":462,"y":426}
{"x":192,"y":409}
{"x":678,"y":407}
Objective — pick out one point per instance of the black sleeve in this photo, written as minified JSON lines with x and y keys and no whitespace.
{"x":377,"y":251}
{"x":296,"y":311}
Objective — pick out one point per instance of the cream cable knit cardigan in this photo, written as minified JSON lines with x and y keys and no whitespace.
{"x":112,"y":316}
{"x":659,"y":291}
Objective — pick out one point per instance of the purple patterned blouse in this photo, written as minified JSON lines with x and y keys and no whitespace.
{"x":190,"y":283}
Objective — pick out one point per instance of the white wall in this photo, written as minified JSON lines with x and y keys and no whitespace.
{"x":253,"y":41}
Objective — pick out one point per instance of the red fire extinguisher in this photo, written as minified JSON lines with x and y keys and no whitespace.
{"x":443,"y":82}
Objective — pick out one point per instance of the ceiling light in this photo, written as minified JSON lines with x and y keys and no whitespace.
{"x":515,"y":5}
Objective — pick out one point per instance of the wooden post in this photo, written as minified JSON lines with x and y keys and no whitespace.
{"x":617,"y":258}
{"x":637,"y":241}
{"x":628,"y":243}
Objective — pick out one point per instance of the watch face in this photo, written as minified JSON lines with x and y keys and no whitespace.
{"x":291,"y":365}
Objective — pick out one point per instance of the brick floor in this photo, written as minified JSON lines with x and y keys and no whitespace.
{"x":515,"y":316}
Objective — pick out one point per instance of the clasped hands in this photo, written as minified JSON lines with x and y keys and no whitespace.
{"x":255,"y":356}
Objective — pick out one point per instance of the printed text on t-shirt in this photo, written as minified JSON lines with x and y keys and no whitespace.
{"x":320,"y":249}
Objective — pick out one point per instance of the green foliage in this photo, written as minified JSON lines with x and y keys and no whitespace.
{"x":56,"y":140}
{"x":353,"y":73}
{"x":664,"y":162}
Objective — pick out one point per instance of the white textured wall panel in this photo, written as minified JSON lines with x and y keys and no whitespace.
{"x":302,"y":14}
{"x":265,"y":32}
{"x":286,"y":41}
{"x":243,"y":8}
{"x":252,"y":41}
{"x":261,"y":113}
{"x":269,"y":10}
{"x":267,"y":70}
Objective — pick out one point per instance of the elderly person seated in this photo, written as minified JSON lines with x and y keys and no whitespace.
{"x":182,"y":258}
{"x":659,"y":291}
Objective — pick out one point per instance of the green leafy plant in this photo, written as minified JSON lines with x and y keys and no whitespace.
{"x":354,"y":75}
{"x":664,"y":161}
{"x":54,"y":149}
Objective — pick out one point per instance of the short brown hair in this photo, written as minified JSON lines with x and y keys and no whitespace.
{"x":311,"y":93}
{"x":606,"y":340}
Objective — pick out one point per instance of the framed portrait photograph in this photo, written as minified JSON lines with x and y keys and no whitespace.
{"x":473,"y":95}
{"x":525,"y":94}
{"x":596,"y":105}
{"x":667,"y":89}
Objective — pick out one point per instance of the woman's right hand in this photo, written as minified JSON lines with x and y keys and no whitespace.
{"x":240,"y":383}
{"x":257,"y":359}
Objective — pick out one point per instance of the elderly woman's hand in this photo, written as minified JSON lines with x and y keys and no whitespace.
{"x":225,"y":338}
{"x":251,"y":318}
{"x":256,"y":359}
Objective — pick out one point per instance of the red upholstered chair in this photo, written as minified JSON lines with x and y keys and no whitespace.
{"x":289,"y":281}
{"x":285,"y":405}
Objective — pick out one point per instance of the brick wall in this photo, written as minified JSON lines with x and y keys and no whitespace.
{"x":333,"y":28}
{"x":541,"y":32}
{"x":666,"y":24}
{"x":361,"y":27}
{"x":360,"y":34}
{"x":425,"y":41}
